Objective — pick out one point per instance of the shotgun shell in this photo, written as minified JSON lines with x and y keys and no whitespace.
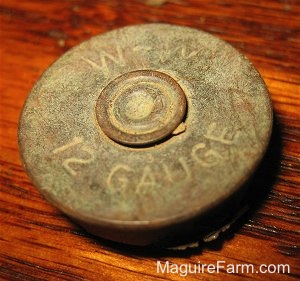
{"x":141,"y":133}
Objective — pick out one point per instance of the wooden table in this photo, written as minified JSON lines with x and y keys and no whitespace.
{"x":37,"y":242}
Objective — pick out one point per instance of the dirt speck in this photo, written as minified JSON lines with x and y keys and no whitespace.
{"x":61,"y":43}
{"x":75,"y":8}
{"x":287,"y":7}
{"x":58,"y":34}
{"x":155,"y":2}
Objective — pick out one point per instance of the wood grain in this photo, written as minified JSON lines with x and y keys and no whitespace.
{"x":37,"y":242}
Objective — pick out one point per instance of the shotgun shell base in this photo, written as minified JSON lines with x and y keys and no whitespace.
{"x":140,"y":132}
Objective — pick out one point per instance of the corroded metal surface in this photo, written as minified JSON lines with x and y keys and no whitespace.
{"x":84,"y":127}
{"x":140,"y":107}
